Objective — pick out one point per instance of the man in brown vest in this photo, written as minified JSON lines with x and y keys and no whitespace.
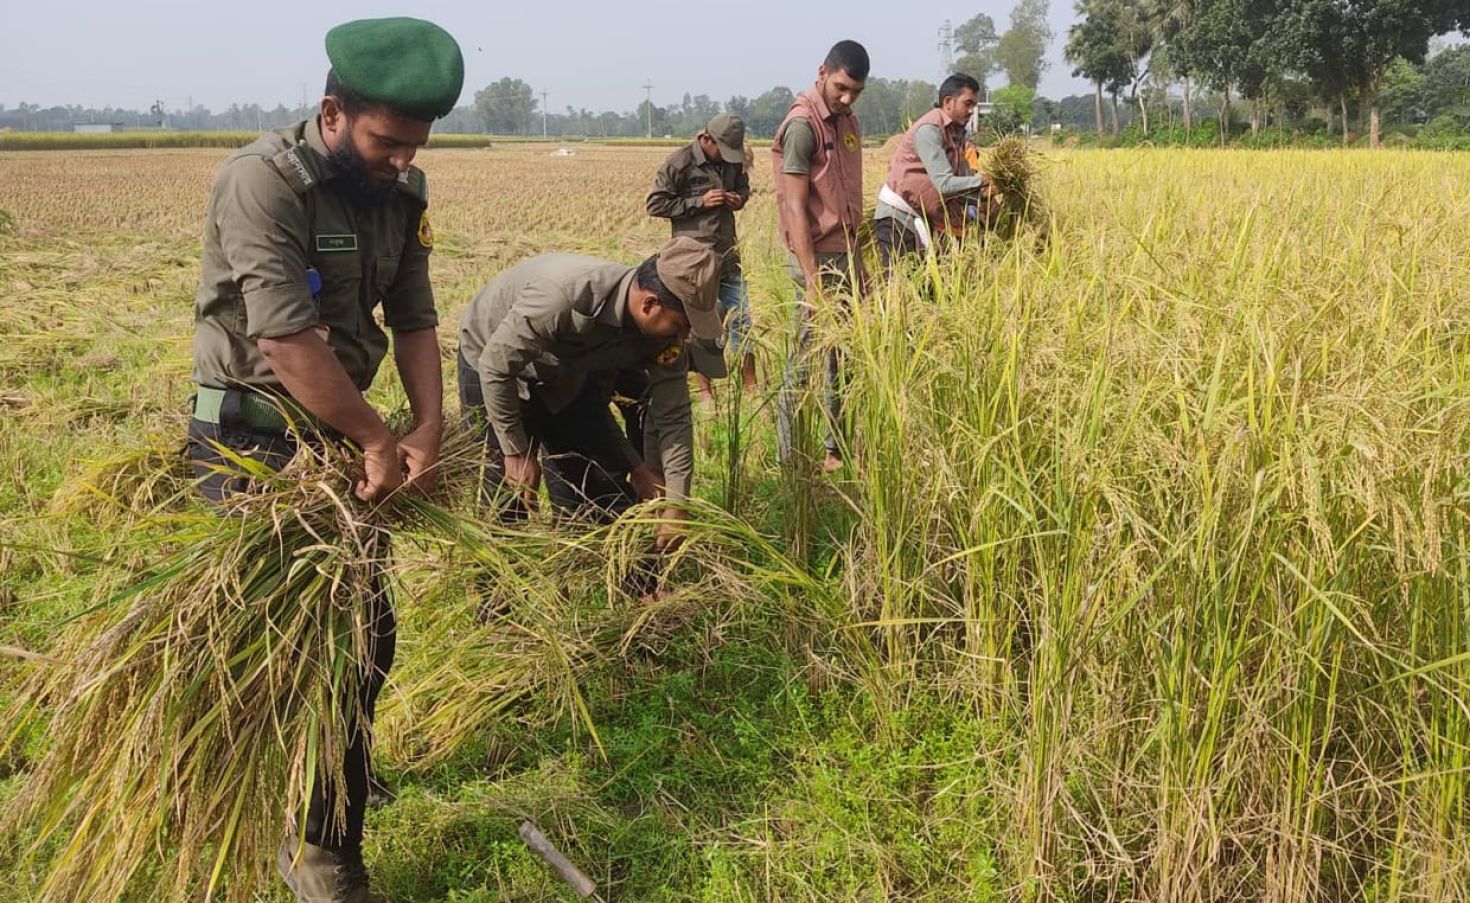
{"x":926,"y":199}
{"x":818,"y":156}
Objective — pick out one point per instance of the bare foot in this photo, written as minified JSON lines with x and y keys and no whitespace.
{"x":832,"y":463}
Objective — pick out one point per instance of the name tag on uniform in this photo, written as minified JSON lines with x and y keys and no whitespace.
{"x":327,"y":243}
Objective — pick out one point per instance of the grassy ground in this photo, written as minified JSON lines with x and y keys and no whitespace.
{"x":1148,"y":583}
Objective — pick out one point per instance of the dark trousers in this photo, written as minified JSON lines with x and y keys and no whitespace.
{"x":895,"y":241}
{"x":275,"y":449}
{"x":582,"y":459}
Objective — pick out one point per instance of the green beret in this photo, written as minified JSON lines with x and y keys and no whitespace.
{"x":411,"y":65}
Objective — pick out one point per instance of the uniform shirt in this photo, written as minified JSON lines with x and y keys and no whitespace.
{"x":553,"y":322}
{"x":678,"y":195}
{"x":274,"y":211}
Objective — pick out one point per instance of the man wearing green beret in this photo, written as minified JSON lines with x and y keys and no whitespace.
{"x":310,"y":232}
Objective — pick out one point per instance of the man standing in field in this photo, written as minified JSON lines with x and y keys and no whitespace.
{"x":818,"y":156}
{"x":699,"y":188}
{"x":540,"y":348}
{"x":924,"y":201}
{"x":309,"y":229}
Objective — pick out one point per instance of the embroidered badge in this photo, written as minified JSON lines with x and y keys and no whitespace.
{"x":669,"y":355}
{"x":426,"y":231}
{"x":850,"y":141}
{"x":328,"y":243}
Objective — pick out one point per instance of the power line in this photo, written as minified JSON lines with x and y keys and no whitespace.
{"x":648,"y":86}
{"x":946,"y":47}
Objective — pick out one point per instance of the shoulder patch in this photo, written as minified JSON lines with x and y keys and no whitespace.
{"x":295,"y":166}
{"x":414,"y":184}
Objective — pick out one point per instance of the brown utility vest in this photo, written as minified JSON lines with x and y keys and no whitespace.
{"x":908,"y":177}
{"x":834,"y":207}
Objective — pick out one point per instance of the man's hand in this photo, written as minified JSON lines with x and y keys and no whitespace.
{"x":734,"y":201}
{"x":713,"y":198}
{"x":670,"y":534}
{"x":644,"y":483}
{"x":524,"y":473}
{"x":382,"y":468}
{"x":418,"y":457}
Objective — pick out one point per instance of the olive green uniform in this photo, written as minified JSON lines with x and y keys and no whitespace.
{"x":273,"y":214}
{"x":548,"y":326}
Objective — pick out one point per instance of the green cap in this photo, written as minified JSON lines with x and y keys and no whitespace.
{"x":411,"y":65}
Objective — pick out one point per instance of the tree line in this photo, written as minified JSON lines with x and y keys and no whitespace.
{"x":1285,"y":59}
{"x":1159,"y":69}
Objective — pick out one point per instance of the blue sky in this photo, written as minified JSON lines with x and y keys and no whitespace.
{"x":594,"y":55}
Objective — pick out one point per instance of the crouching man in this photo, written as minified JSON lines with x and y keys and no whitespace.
{"x":541,"y":347}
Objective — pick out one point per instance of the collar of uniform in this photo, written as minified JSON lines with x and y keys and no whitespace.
{"x":700,"y":157}
{"x":820,"y":103}
{"x":615,"y":311}
{"x":314,"y":140}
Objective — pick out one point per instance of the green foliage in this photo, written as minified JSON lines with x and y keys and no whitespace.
{"x":975,"y":42}
{"x":1013,"y":107}
{"x":506,"y":107}
{"x":1021,"y":51}
{"x":889,"y":106}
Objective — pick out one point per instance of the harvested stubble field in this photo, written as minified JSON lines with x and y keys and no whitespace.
{"x":1150,"y":580}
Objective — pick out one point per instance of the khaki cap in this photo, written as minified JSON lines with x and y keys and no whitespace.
{"x":691,"y":270}
{"x":728,"y":132}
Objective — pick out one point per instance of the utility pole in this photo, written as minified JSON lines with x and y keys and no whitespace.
{"x":543,"y":112}
{"x":946,"y":48}
{"x":648,"y":86}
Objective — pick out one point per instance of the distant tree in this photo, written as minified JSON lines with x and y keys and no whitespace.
{"x":767,"y":111}
{"x":1447,"y":81}
{"x":1405,"y":95}
{"x":1349,"y":46}
{"x":1021,"y":51}
{"x":1386,"y":30}
{"x":1220,"y":43}
{"x":1315,"y":39}
{"x":506,"y":107}
{"x":1013,"y":108}
{"x":975,"y":43}
{"x":918,"y":98}
{"x":740,"y":106}
{"x":1095,"y":47}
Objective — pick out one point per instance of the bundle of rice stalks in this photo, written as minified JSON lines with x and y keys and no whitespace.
{"x":1011,"y":166}
{"x":198,"y":705}
{"x":133,"y":482}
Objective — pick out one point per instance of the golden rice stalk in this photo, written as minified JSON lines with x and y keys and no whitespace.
{"x":1012,"y":168}
{"x":196,"y":706}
